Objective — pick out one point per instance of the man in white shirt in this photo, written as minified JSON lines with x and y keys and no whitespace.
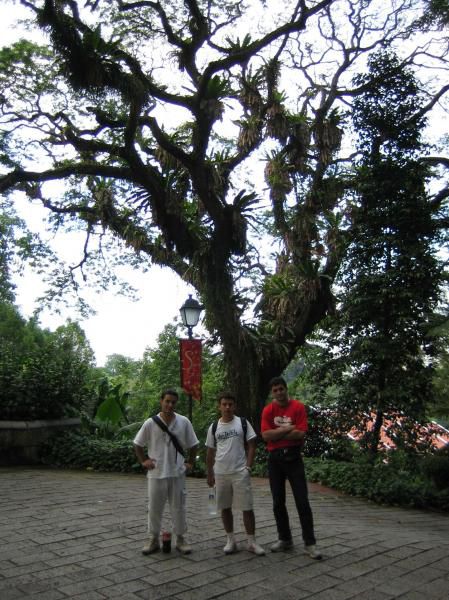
{"x":166,"y":468}
{"x":229,"y":458}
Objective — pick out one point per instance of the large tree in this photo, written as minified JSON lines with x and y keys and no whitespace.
{"x":157,"y":116}
{"x":391,"y":278}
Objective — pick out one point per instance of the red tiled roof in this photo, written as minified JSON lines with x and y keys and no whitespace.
{"x":432,"y":432}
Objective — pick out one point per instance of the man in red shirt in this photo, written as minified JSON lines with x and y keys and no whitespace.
{"x":284,"y":426}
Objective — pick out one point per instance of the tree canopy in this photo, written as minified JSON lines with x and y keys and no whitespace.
{"x":215,"y":138}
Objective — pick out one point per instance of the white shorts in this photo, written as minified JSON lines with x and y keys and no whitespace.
{"x":234,"y":490}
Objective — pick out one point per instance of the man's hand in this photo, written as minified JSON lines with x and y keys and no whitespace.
{"x":149,"y":464}
{"x":210,"y":480}
{"x":188,"y":466}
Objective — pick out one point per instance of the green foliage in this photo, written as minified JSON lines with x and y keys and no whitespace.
{"x":380,"y":482}
{"x":126,"y":107}
{"x":376,"y":350}
{"x":112,"y":404}
{"x":80,"y":451}
{"x":43,"y":374}
{"x":436,"y":468}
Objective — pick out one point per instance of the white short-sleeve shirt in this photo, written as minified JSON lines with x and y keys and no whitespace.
{"x":169,"y":463}
{"x":230,"y":454}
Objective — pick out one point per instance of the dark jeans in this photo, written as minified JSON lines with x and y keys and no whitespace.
{"x":279,"y":472}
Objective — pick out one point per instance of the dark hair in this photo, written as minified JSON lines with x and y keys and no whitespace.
{"x":169,"y":392}
{"x":226,"y":396}
{"x":277,"y":381}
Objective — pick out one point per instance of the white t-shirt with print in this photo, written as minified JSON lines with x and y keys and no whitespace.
{"x":230,"y":454}
{"x":169,"y":463}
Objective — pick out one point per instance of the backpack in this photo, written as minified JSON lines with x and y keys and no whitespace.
{"x":244,"y":427}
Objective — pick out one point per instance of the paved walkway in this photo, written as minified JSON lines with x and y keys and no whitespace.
{"x":67,"y":534}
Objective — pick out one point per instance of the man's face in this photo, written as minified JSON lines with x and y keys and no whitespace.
{"x":227,"y":408}
{"x":279,"y":394}
{"x":168,"y":404}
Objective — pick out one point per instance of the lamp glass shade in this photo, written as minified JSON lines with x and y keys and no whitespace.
{"x":190,"y":312}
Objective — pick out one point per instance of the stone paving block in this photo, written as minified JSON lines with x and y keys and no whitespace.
{"x":72,"y":571}
{"x":355,"y":586}
{"x":208,"y":565}
{"x":439,"y":588}
{"x":121,"y":589}
{"x":167,"y":576}
{"x":47,"y":595}
{"x":277,"y":581}
{"x":6,"y":584}
{"x":11,"y":593}
{"x":333,"y":594}
{"x":22,"y":570}
{"x":100,"y":571}
{"x":95,"y":523}
{"x":66,"y":560}
{"x":38,"y":585}
{"x":157,"y":565}
{"x":205,"y":592}
{"x":129,"y":574}
{"x":202,"y":579}
{"x":354,"y":570}
{"x":88,"y":595}
{"x":79,"y":587}
{"x":307,"y":567}
{"x":127,"y":596}
{"x":72,"y":549}
{"x":385,"y":573}
{"x":403,"y":552}
{"x":248,"y":593}
{"x":396,"y":586}
{"x":93,"y":563}
{"x":374,"y":595}
{"x":162,"y":591}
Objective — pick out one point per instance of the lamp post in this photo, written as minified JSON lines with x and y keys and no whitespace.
{"x":190,"y":368}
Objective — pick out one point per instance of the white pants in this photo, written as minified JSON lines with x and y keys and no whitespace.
{"x":172,"y":489}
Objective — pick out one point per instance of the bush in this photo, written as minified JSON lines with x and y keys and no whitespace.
{"x":436,"y":468}
{"x":380,"y":482}
{"x":78,"y":451}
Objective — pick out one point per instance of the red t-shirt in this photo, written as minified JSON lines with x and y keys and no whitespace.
{"x":274,"y":415}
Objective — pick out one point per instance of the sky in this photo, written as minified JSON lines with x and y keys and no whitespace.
{"x":120,"y":325}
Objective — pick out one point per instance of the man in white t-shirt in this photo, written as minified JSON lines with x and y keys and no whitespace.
{"x":166,"y":468}
{"x":229,"y":458}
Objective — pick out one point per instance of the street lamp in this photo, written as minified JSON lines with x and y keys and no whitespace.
{"x":190,"y":314}
{"x":190,"y":352}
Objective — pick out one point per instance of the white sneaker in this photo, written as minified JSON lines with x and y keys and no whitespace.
{"x":230,"y":547}
{"x":255,"y":549}
{"x":151,"y":546}
{"x":313,"y":551}
{"x":182,"y":546}
{"x":281,"y":546}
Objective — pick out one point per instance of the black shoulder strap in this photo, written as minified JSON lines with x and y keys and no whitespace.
{"x":244,"y":427}
{"x":214,"y":430}
{"x":173,"y":437}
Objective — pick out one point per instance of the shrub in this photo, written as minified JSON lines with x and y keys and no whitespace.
{"x":380,"y":482}
{"x":436,"y":468}
{"x":78,"y":451}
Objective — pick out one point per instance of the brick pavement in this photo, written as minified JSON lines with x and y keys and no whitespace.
{"x":70,"y":534}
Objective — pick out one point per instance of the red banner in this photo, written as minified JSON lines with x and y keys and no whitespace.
{"x":190,"y":358}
